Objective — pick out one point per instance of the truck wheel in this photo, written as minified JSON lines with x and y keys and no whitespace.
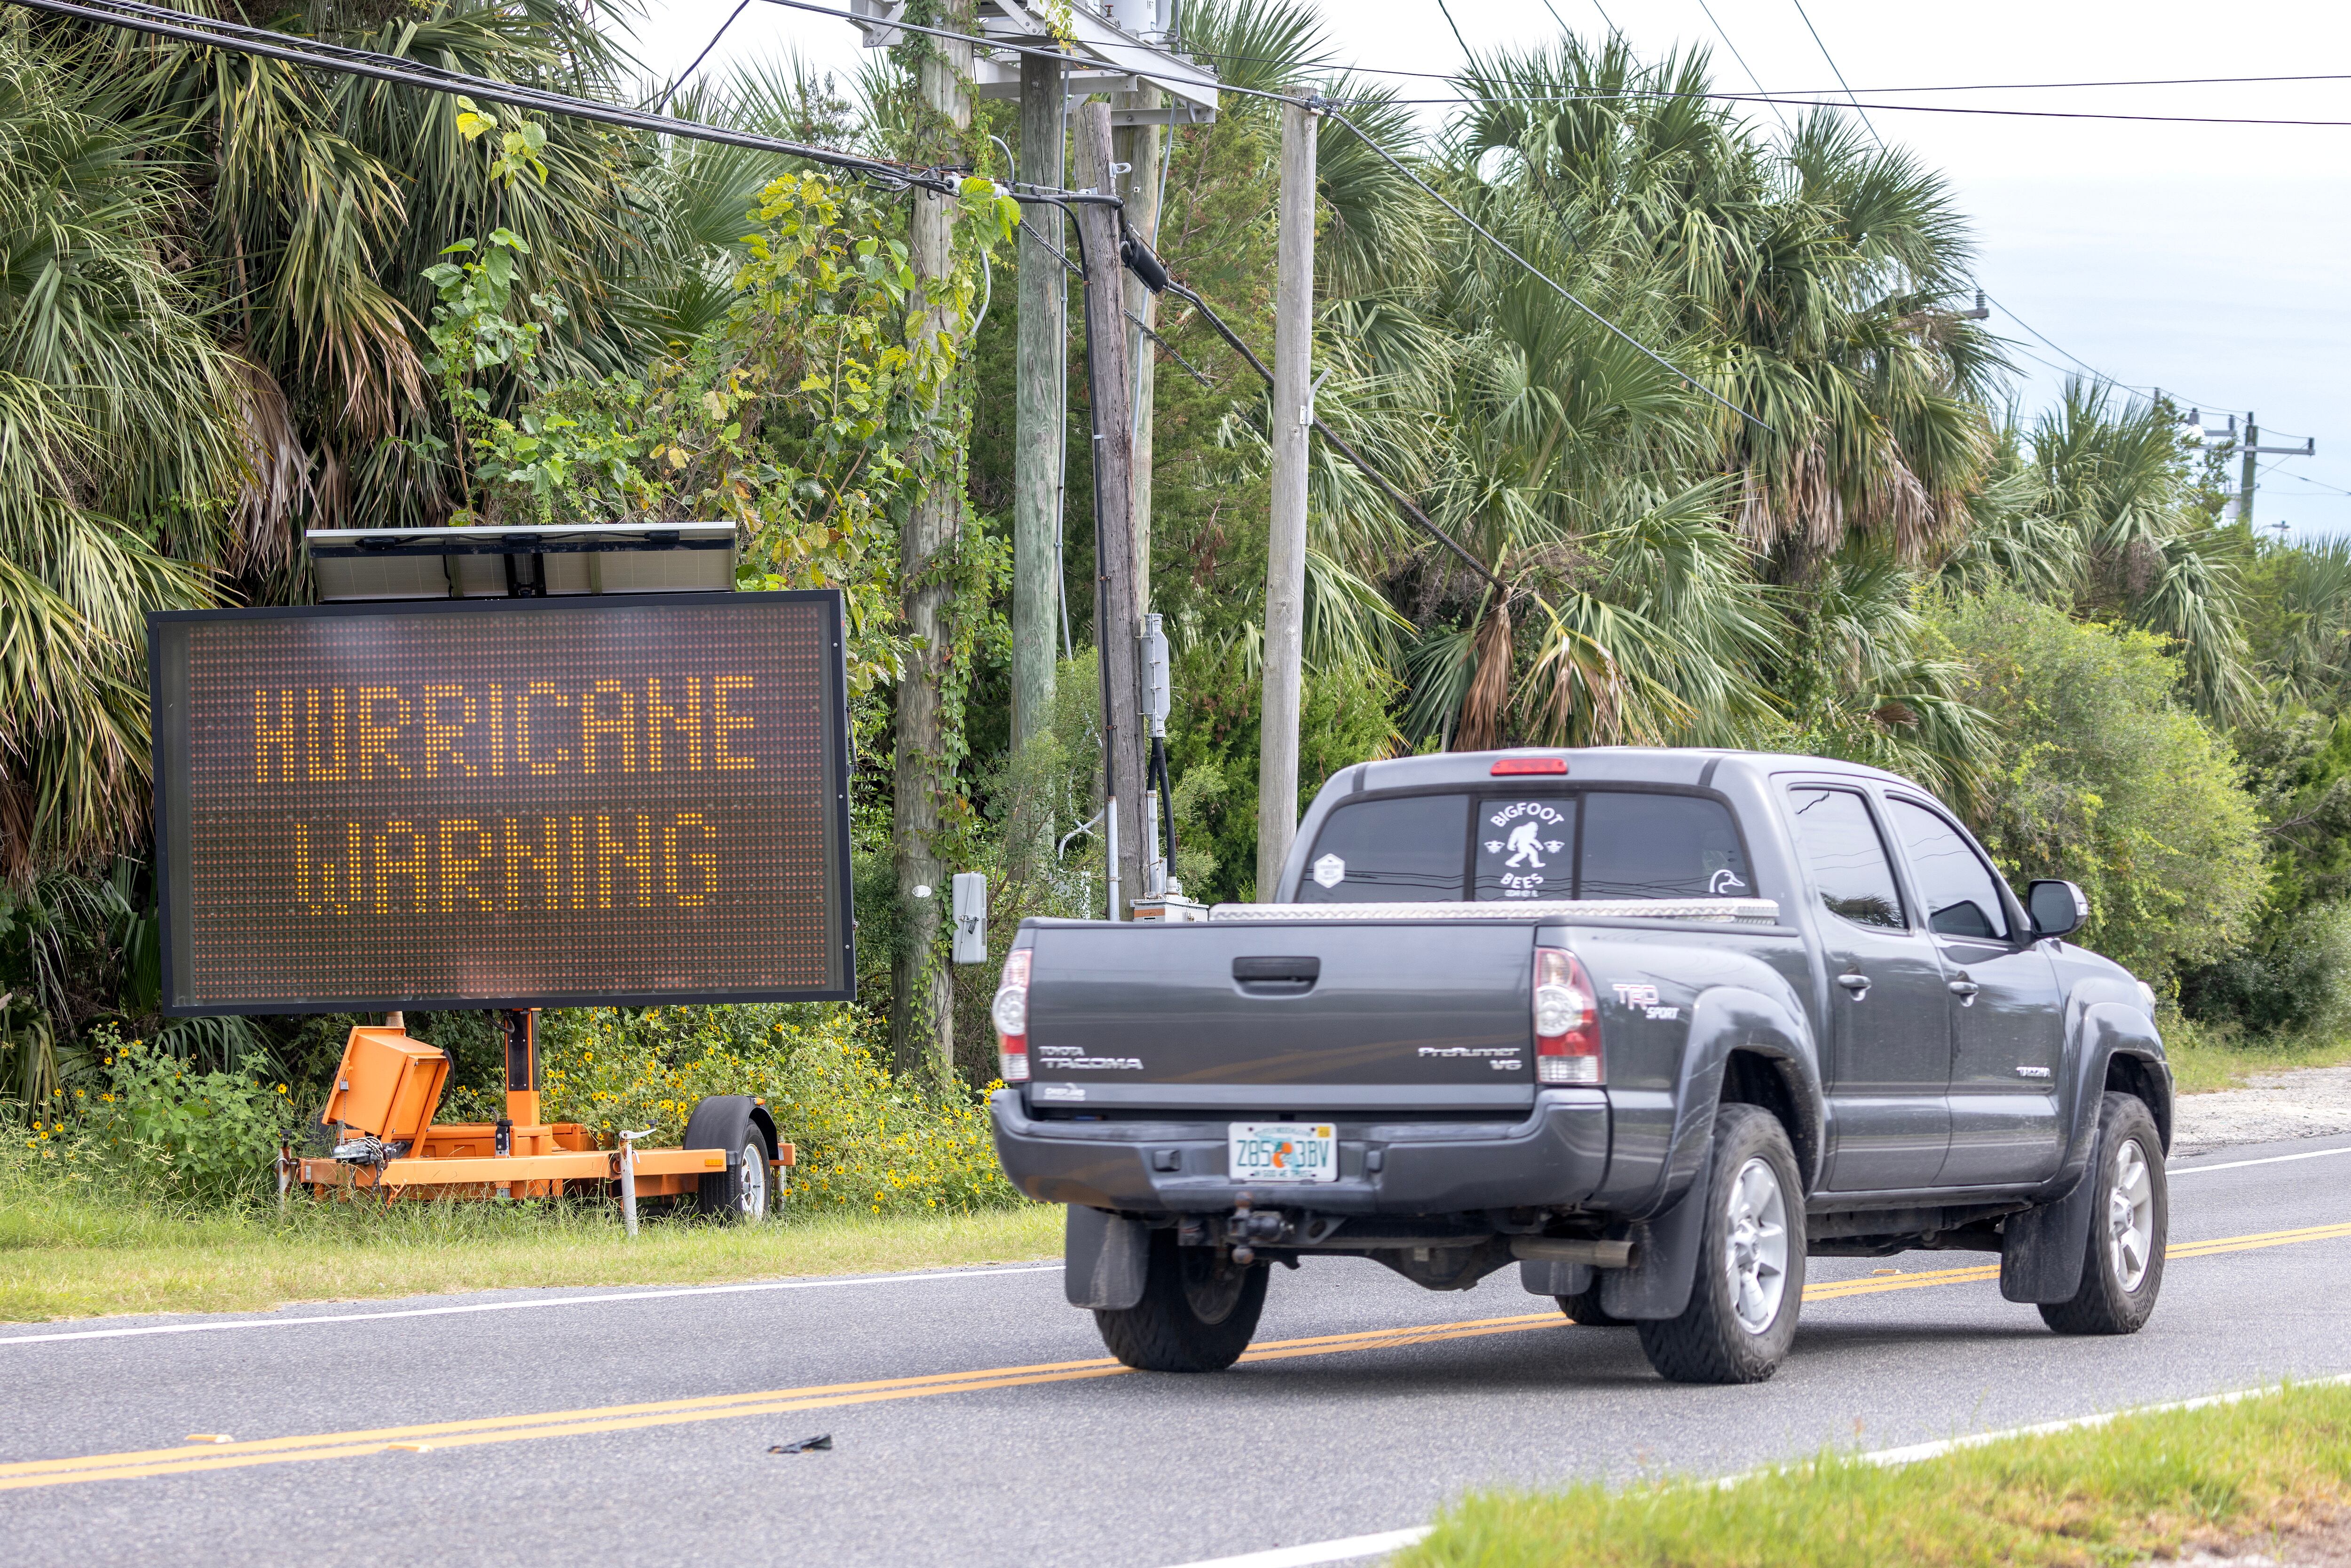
{"x":737,"y":1195}
{"x":1584,"y":1308}
{"x":1194,"y":1316}
{"x":2130,"y":1221}
{"x":1742,"y":1309}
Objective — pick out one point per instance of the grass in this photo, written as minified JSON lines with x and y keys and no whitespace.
{"x":2204,"y":1059}
{"x":67,"y":1253}
{"x":2139,"y":1487}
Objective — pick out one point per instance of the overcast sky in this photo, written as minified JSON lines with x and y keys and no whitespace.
{"x":2206,"y":259}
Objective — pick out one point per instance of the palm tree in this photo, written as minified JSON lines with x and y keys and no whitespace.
{"x":117,"y":416}
{"x":315,"y":203}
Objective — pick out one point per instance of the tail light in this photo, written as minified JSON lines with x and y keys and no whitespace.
{"x":1567,"y":1021}
{"x":1010,"y":1013}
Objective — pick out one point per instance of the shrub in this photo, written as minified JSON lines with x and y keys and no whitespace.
{"x":2099,"y":775}
{"x":2297,"y":982}
{"x":157,"y":1122}
{"x":866,"y":1138}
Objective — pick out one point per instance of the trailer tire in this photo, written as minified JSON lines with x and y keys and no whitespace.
{"x":742,"y":1193}
{"x":1194,"y":1315}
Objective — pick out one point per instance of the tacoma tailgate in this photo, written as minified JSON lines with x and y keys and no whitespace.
{"x":1319,"y":1016}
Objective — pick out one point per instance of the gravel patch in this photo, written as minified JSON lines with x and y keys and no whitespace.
{"x":2306,"y":1102}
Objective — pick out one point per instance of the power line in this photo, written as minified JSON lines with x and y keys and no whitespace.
{"x":1798,"y":101}
{"x":1563,"y":291}
{"x":1743,"y":66}
{"x":1395,"y":496}
{"x":214,"y":33}
{"x":740,"y":7}
{"x":983,"y":41}
{"x":1833,"y":71}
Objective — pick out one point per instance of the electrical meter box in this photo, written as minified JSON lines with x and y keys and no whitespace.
{"x":389,"y":1085}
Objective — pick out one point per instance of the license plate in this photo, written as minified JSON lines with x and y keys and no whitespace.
{"x":1268,"y":1152}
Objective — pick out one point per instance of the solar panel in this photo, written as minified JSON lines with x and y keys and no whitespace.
{"x":354,"y":565}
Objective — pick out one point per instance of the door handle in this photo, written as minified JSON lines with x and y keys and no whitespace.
{"x":1857,"y":983}
{"x":1965,"y":990}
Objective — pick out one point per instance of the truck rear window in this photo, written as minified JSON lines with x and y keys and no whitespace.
{"x":1590,"y":843}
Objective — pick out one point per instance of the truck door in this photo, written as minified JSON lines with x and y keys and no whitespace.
{"x":2007,"y":1028}
{"x":1890,"y":1051}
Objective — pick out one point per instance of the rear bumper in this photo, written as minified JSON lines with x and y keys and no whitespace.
{"x":1557,"y":1155}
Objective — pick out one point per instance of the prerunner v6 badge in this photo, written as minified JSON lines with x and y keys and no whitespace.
{"x":1524,"y":849}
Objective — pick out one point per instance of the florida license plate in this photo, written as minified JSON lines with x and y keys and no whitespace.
{"x":1268,"y":1152}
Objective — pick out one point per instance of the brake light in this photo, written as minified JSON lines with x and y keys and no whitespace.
{"x":1505,"y":767}
{"x":1010,"y":1012}
{"x":1567,"y":1021}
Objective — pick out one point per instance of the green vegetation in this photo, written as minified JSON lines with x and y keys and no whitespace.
{"x":75,"y":1242}
{"x":249,"y":300}
{"x":2139,"y":1487}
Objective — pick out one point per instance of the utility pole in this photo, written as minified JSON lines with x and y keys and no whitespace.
{"x":1285,"y":562}
{"x":922,"y":1037}
{"x":1138,"y":147}
{"x":1040,"y":420}
{"x":2247,"y":470}
{"x":2253,"y":449}
{"x":1118,"y":612}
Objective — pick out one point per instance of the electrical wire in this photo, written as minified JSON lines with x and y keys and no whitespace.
{"x":1006,"y":46}
{"x":1833,"y":71}
{"x":1561,"y":289}
{"x":1792,"y":100}
{"x":214,"y":33}
{"x":740,"y":7}
{"x":1742,"y":63}
{"x":1403,"y":503}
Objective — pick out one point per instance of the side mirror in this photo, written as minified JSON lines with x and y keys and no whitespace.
{"x":2058,"y":908}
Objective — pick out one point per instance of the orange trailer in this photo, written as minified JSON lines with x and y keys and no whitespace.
{"x":389,"y":1086}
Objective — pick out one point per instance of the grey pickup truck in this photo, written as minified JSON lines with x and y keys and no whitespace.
{"x":1655,"y":1026}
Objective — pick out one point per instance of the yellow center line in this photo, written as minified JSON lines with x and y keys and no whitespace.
{"x":834,"y":1396}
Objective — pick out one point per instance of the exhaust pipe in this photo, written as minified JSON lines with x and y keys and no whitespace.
{"x":1568,"y":1250}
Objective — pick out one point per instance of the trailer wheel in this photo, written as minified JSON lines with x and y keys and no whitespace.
{"x":740,"y":1194}
{"x":1197,"y":1312}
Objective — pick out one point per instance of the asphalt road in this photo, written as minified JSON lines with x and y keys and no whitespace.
{"x":974,"y":1423}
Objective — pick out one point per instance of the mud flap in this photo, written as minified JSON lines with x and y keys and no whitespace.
{"x":1104,"y":1259}
{"x":1664,"y":1259}
{"x":2041,"y":1249}
{"x":1555,"y":1278}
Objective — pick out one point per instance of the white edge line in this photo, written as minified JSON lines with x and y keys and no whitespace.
{"x":1306,"y":1556}
{"x":1357,"y":1546}
{"x":668,"y":1294}
{"x":659,"y":1295}
{"x":2267,"y":1160}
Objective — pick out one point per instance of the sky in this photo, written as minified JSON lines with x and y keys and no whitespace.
{"x":2206,"y":259}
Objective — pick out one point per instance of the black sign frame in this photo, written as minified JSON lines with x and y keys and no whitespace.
{"x":170,"y":757}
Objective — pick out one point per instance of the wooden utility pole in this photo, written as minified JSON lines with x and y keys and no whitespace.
{"x":921,"y":990}
{"x":1285,"y":556}
{"x":1118,"y":612}
{"x":2250,"y":471}
{"x":1138,"y":147}
{"x":1040,"y":420}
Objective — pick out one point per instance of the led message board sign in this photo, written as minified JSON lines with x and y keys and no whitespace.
{"x":625,"y":801}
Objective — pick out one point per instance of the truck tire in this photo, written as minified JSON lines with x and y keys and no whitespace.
{"x":1193,"y":1316}
{"x":1742,"y":1316}
{"x":2130,"y":1224}
{"x":740,"y":1194}
{"x":1584,"y":1308}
